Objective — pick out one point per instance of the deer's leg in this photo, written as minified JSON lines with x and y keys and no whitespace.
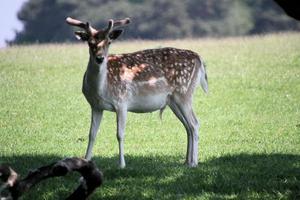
{"x":196,"y":126}
{"x":184,"y":107}
{"x":121,"y":122}
{"x":178,"y":113}
{"x":189,"y":116}
{"x":95,"y":122}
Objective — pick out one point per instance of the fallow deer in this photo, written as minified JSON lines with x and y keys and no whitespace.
{"x":140,"y":82}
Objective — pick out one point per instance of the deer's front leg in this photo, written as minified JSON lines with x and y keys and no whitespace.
{"x":121,"y":122}
{"x":95,"y":122}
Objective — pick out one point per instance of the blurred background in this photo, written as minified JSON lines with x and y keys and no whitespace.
{"x":43,"y":21}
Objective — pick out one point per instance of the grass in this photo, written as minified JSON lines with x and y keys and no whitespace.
{"x":250,"y":123}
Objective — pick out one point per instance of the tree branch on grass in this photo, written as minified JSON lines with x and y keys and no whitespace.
{"x":16,"y":187}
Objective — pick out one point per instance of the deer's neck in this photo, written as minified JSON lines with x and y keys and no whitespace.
{"x":96,"y":75}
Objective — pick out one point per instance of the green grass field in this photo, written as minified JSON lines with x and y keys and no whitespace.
{"x":250,"y":123}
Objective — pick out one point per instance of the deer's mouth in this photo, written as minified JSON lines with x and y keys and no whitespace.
{"x":99,"y":59}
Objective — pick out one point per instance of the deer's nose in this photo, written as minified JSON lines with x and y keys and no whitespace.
{"x":99,"y":59}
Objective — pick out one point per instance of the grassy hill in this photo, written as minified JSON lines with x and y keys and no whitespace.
{"x":250,"y":122}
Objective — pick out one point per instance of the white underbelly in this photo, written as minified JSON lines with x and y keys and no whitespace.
{"x":149,"y":103}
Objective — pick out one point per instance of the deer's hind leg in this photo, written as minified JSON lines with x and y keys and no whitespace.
{"x":182,"y":108}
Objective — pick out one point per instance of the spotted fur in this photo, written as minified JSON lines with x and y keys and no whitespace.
{"x":176,"y":66}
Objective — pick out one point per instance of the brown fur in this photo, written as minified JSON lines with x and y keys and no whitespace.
{"x":176,"y":65}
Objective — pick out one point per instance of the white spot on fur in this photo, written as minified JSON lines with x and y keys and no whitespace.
{"x":152,"y":81}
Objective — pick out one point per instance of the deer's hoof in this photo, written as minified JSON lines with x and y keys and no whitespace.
{"x":122,"y":165}
{"x":191,"y":164}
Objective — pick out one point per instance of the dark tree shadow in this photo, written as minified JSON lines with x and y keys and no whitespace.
{"x":241,"y":176}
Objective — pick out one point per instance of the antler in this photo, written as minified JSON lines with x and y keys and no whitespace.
{"x":92,"y":31}
{"x":121,"y":22}
{"x":78,"y":23}
{"x":75,"y":22}
{"x":112,"y":24}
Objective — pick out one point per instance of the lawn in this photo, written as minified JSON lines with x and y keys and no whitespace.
{"x":250,"y":122}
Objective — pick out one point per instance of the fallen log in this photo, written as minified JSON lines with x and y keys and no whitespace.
{"x":15,"y":187}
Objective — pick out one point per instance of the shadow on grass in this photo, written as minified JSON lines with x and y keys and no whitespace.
{"x":256,"y":176}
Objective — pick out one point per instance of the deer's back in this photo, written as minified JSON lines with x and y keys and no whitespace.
{"x":177,"y":67}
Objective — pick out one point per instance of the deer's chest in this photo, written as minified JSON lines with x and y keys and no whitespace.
{"x":96,"y":96}
{"x":98,"y":102}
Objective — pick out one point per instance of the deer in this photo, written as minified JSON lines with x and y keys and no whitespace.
{"x":140,"y":82}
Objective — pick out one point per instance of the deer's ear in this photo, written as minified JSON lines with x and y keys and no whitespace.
{"x":115,"y":34}
{"x":82,"y":35}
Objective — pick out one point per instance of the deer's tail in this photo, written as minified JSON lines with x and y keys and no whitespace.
{"x":203,"y":76}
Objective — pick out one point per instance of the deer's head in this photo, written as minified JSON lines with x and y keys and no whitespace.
{"x":98,"y":40}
